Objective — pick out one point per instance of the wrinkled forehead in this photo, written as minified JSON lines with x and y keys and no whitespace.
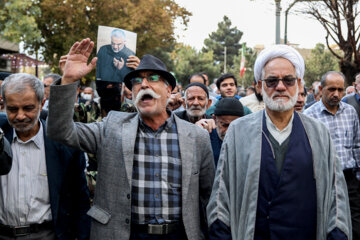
{"x":195,"y":91}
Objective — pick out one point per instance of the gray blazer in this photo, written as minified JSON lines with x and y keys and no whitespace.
{"x":113,"y":140}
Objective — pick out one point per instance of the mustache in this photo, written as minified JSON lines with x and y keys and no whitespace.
{"x":195,"y":108}
{"x":276,"y":94}
{"x":142,"y":93}
{"x":26,"y":120}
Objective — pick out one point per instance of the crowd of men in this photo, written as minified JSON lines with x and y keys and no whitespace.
{"x":167,"y":163}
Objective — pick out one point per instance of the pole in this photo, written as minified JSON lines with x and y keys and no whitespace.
{"x":224,"y":59}
{"x":36,"y":64}
{"x":285,"y":34}
{"x":277,"y":13}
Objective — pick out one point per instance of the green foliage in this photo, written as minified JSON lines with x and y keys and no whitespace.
{"x":248,"y":78}
{"x":188,"y":61}
{"x":18,"y":23}
{"x":319,"y":62}
{"x":224,"y":36}
{"x":63,"y":22}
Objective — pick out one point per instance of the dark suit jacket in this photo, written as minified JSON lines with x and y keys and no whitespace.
{"x":5,"y":156}
{"x":69,"y":195}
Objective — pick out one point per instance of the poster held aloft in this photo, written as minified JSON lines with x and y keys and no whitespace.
{"x":114,"y":46}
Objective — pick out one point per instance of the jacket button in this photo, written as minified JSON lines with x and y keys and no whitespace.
{"x":128,"y":196}
{"x":127,"y":221}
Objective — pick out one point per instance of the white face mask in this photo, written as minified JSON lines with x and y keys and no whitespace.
{"x":86,"y":96}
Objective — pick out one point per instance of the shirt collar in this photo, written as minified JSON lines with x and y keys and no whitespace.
{"x":37,"y":139}
{"x":167,"y":124}
{"x":270,"y":124}
{"x":323,"y":107}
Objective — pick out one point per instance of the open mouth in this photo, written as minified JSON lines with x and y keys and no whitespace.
{"x":146,"y":97}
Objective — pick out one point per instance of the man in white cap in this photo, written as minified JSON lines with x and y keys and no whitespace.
{"x":278,"y":176}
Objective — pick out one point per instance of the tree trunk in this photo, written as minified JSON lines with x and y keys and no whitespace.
{"x":349,"y":69}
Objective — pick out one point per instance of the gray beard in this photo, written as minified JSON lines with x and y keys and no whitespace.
{"x":279,"y":106}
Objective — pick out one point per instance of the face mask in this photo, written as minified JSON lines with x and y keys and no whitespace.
{"x":86,"y":96}
{"x":126,"y":100}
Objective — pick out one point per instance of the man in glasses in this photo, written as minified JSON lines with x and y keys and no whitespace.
{"x":343,"y":122}
{"x":278,"y":176}
{"x":155,"y":171}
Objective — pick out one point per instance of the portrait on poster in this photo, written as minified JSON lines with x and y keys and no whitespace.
{"x":114,"y":46}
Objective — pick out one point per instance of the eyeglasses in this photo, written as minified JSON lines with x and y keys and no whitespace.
{"x":272,"y":82}
{"x":150,"y":78}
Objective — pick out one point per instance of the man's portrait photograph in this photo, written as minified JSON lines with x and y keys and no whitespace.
{"x":114,"y":46}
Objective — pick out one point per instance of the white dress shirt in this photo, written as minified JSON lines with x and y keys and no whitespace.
{"x":24,"y":193}
{"x":279,"y":135}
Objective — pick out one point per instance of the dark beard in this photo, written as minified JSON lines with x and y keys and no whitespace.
{"x":259,"y":96}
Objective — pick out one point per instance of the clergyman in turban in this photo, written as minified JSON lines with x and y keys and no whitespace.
{"x":278,"y":176}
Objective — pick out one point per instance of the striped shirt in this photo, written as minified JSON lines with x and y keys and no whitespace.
{"x":24,"y":193}
{"x":344,"y":130}
{"x":156,"y":184}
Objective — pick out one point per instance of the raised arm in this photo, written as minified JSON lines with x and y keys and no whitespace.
{"x":76,"y":65}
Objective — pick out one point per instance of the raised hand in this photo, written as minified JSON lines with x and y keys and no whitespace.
{"x":62,"y":62}
{"x":76,"y":65}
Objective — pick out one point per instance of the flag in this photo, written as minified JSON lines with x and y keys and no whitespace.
{"x":242,"y":64}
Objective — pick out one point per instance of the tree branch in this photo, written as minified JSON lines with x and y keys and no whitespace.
{"x":330,"y":49}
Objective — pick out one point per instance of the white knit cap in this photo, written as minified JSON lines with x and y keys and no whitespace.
{"x":279,"y":51}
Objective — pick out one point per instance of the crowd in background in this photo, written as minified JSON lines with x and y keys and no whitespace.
{"x":149,"y":158}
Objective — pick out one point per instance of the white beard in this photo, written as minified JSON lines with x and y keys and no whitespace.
{"x":279,"y":105}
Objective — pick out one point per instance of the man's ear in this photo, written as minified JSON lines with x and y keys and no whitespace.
{"x":259,"y":85}
{"x":168,"y":91}
{"x":209,"y":103}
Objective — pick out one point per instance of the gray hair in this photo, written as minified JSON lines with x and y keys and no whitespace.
{"x":323,"y":77}
{"x":54,"y":76}
{"x":118,"y":33}
{"x":20,"y":82}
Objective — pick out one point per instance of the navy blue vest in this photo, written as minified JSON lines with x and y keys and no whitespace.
{"x":286,"y":207}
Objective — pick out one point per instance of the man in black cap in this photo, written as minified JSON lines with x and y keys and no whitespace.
{"x":227,"y":110}
{"x":155,"y":171}
{"x":196,"y":103}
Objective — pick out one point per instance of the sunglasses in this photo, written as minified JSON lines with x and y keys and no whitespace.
{"x":150,"y":78}
{"x":272,"y":82}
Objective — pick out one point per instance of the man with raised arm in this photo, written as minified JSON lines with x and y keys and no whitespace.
{"x":155,"y":171}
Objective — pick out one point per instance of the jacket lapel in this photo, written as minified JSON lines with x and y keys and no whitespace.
{"x":129,"y":131}
{"x":53,"y":168}
{"x":186,"y":144}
